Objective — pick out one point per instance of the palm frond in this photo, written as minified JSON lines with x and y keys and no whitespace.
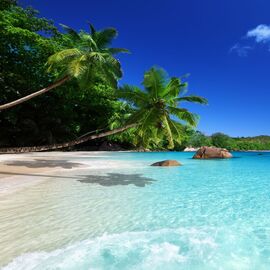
{"x":168,"y":131}
{"x":92,"y":29}
{"x":150,"y":120}
{"x":147,"y":127}
{"x":88,"y":43}
{"x":114,"y":51}
{"x":77,"y":67}
{"x":184,"y":115}
{"x":110,"y":76}
{"x":150,"y":136}
{"x":194,"y":99}
{"x":176,"y":127}
{"x":104,"y":37}
{"x":133,"y":95}
{"x":75,"y":36}
{"x":87,"y":77}
{"x":172,"y":89}
{"x":97,"y":57}
{"x":62,"y":57}
{"x":177,"y":130}
{"x":137,"y":116}
{"x":113,"y":65}
{"x":154,"y":81}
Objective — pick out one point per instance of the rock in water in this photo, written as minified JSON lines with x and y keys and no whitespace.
{"x":212,"y":152}
{"x":167,"y":163}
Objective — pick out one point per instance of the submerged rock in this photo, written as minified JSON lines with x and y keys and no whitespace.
{"x":212,"y":152}
{"x":168,"y":162}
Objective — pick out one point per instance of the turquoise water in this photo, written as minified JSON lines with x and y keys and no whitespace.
{"x":206,"y":214}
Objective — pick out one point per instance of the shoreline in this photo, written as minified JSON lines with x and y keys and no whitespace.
{"x":118,"y":151}
{"x":23,"y":170}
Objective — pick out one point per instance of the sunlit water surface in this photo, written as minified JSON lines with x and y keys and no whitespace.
{"x":212,"y":214}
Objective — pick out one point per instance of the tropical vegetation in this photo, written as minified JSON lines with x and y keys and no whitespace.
{"x":26,"y":43}
{"x":198,"y":139}
{"x":84,"y":69}
{"x":87,"y":102}
{"x":88,"y":59}
{"x":154,"y":107}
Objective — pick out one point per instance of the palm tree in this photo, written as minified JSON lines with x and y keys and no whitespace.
{"x":155,"y":105}
{"x":152,"y":111}
{"x":90,"y":58}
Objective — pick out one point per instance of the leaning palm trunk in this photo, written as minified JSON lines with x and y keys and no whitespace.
{"x":66,"y":144}
{"x":35,"y":94}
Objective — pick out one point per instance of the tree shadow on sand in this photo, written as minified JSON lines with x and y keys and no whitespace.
{"x":115,"y":179}
{"x":43,"y":163}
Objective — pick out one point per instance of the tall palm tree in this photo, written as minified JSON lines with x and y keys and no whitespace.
{"x":90,"y":57}
{"x":152,"y":111}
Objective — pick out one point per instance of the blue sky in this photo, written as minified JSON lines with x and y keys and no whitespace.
{"x":224,"y":45}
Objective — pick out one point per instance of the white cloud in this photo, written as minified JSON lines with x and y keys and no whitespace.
{"x":261,"y":33}
{"x":240,"y":50}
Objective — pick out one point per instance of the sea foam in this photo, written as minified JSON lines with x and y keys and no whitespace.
{"x":182,"y":248}
{"x":161,"y":249}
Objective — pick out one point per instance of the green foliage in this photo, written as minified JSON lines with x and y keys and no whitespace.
{"x":198,"y":139}
{"x":252,"y":143}
{"x":31,"y":45}
{"x":120,"y":116}
{"x":89,"y":58}
{"x":154,"y":106}
{"x":26,"y":42}
{"x":6,"y":4}
{"x":23,"y":53}
{"x":221,"y":140}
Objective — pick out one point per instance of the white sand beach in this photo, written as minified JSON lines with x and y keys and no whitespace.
{"x":21,"y":170}
{"x":28,"y":182}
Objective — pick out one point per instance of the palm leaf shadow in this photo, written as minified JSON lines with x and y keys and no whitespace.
{"x":116,"y":179}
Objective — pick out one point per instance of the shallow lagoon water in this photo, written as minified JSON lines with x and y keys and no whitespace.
{"x":206,"y":214}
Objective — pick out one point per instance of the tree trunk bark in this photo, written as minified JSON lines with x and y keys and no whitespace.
{"x":35,"y":94}
{"x":64,"y":145}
